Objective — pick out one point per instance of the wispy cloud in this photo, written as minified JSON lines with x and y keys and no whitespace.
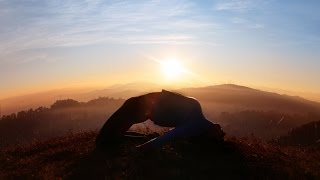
{"x":247,"y":23}
{"x":256,"y":26}
{"x":237,"y":20}
{"x":239,"y":5}
{"x":167,"y":39}
{"x":242,"y":12}
{"x":235,"y":5}
{"x":46,"y":24}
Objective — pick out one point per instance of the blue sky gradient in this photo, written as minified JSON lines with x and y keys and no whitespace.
{"x":262,"y":43}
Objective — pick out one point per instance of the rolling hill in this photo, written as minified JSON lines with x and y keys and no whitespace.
{"x":248,"y":98}
{"x":241,"y":111}
{"x":304,"y":135}
{"x":225,"y":98}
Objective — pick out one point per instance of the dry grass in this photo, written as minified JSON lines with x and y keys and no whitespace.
{"x":74,"y":156}
{"x":48,"y":159}
{"x":285,"y":161}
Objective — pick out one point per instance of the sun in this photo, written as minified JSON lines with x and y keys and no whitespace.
{"x":172,"y":68}
{"x":173,"y":71}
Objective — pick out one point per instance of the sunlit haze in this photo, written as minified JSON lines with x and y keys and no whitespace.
{"x":267,"y":44}
{"x":172,"y":69}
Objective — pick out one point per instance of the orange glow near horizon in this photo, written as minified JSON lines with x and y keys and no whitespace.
{"x":173,"y":71}
{"x":159,"y":81}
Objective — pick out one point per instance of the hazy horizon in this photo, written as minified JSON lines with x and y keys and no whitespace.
{"x":123,"y":91}
{"x":144,"y":86}
{"x":269,"y":45}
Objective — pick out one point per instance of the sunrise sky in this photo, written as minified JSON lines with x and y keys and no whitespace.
{"x":49,"y":44}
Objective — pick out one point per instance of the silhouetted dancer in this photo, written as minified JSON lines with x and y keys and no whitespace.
{"x":164,"y":108}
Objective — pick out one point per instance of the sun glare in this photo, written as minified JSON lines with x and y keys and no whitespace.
{"x":172,"y":68}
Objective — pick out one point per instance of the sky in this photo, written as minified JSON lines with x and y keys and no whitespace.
{"x":97,"y":43}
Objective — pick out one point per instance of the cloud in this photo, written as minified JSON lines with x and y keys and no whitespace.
{"x":257,"y":26}
{"x":247,"y":23}
{"x":234,"y":5}
{"x":240,"y":6}
{"x":167,"y":39}
{"x":238,"y":20}
{"x":47,"y":24}
{"x":27,"y":57}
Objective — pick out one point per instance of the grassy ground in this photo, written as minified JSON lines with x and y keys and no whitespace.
{"x":74,"y":157}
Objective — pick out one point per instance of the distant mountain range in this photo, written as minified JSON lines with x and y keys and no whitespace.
{"x":247,"y":98}
{"x":224,"y":97}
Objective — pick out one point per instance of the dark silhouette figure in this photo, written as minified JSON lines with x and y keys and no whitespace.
{"x":164,"y":108}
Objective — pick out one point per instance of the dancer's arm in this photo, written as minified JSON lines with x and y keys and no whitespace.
{"x":129,"y":113}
